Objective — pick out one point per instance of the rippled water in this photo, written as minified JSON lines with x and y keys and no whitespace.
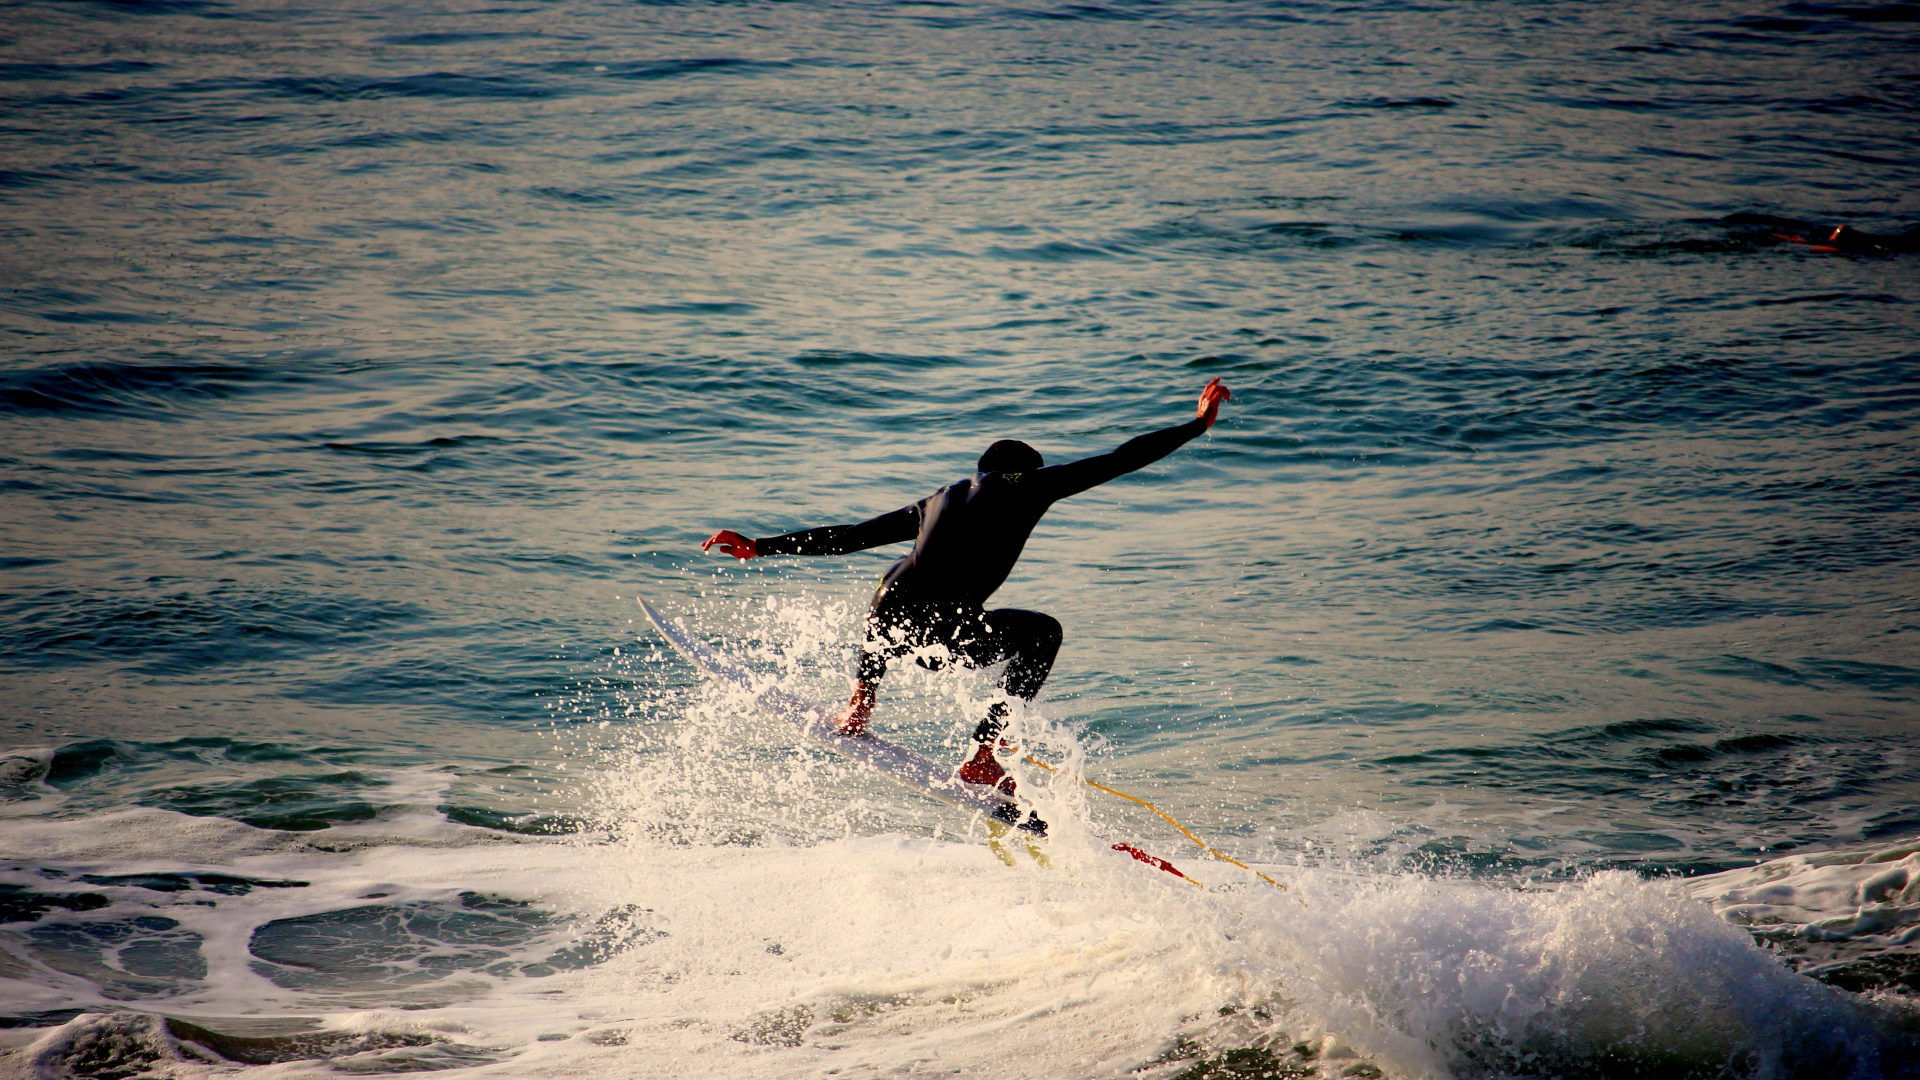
{"x":363,"y":362}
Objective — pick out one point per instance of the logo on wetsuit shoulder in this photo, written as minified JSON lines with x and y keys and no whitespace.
{"x":1012,"y":477}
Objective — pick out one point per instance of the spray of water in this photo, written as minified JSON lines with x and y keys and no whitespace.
{"x":821,"y":919}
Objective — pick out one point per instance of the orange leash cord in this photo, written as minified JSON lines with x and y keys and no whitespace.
{"x":1183,"y":829}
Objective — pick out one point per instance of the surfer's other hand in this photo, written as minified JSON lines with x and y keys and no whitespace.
{"x":1210,"y":399}
{"x":732,"y":543}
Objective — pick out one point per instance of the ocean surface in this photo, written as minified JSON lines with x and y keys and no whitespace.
{"x":1543,"y":612}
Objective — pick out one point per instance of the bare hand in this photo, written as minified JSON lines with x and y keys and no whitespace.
{"x":1210,"y":400}
{"x":732,"y":543}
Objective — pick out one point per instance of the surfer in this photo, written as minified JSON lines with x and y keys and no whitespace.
{"x":966,"y":538}
{"x":1824,"y":238}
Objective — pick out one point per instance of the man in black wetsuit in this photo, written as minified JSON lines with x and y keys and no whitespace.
{"x":1824,"y":238}
{"x":966,"y":538}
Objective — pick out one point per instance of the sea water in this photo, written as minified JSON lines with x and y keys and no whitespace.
{"x":1540,"y":613}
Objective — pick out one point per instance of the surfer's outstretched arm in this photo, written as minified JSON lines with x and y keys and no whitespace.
{"x":1060,"y":481}
{"x":889,"y":528}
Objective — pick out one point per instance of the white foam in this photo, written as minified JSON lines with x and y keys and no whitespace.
{"x":134,"y":833}
{"x":24,"y":791}
{"x":1826,"y":911}
{"x":897,"y":952}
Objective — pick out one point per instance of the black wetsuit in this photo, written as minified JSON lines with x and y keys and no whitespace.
{"x":966,"y":538}
{"x":1839,"y":238}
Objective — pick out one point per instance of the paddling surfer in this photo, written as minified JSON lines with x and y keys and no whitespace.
{"x":1826,"y":238}
{"x":966,"y":538}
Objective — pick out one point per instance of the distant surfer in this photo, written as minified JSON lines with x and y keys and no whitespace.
{"x":1825,"y":238}
{"x":966,"y":538}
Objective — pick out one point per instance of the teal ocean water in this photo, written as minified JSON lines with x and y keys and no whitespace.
{"x":1541,"y":611}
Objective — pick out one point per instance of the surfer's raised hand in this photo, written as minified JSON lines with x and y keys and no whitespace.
{"x":1210,"y":399}
{"x":740,"y":547}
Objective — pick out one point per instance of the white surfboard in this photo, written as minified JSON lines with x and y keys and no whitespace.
{"x":813,"y":721}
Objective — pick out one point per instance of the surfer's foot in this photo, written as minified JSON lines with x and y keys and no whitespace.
{"x":852,"y":720}
{"x":986,"y":770}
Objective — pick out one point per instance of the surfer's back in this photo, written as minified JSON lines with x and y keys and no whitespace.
{"x":971,"y":535}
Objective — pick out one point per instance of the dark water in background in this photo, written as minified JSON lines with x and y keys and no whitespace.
{"x":362,"y":362}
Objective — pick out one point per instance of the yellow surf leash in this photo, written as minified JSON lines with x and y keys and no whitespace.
{"x":1183,"y":829}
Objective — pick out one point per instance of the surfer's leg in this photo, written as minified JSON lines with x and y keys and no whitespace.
{"x":875,"y":651}
{"x":892,"y":629}
{"x":852,"y":720}
{"x":1028,"y":641}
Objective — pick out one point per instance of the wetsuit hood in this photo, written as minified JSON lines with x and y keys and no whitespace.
{"x":1011,"y":455}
